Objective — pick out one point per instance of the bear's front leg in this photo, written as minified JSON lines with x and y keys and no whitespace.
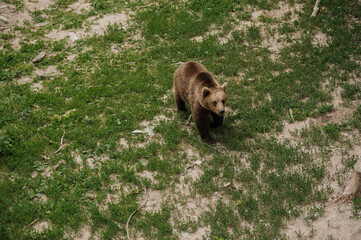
{"x":181,"y":106}
{"x":217,"y":120}
{"x":201,"y":119}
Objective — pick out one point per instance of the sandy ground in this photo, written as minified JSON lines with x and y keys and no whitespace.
{"x":337,"y":221}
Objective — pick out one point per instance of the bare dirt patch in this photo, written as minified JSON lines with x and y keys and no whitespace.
{"x":24,"y":79}
{"x":154,"y":200}
{"x":39,"y":5}
{"x":147,"y":129}
{"x":71,"y":57}
{"x":146,"y":174}
{"x":48,"y":72}
{"x":274,"y":42}
{"x":96,"y":27}
{"x":336,"y":222}
{"x":12,"y":17}
{"x":321,"y":39}
{"x":100,"y":25}
{"x":78,"y":160}
{"x":57,"y":35}
{"x":284,"y":8}
{"x":339,"y":115}
{"x":41,"y":226}
{"x":191,"y":153}
{"x":37,"y":86}
{"x":192,"y":209}
{"x":84,"y":234}
{"x":197,"y":235}
{"x":339,"y":176}
{"x":80,"y":6}
{"x":123,"y":144}
{"x":16,"y":42}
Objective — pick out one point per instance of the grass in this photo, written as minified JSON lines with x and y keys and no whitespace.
{"x":257,"y":182}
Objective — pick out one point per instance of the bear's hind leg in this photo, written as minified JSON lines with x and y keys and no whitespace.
{"x":217,"y":120}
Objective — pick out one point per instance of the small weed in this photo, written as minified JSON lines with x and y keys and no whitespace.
{"x":356,"y":202}
{"x":332,"y":130}
{"x":266,"y":19}
{"x":58,"y":46}
{"x":253,"y":34}
{"x":324,"y":109}
{"x":313,"y":213}
{"x":38,"y":16}
{"x":286,"y":29}
{"x":114,"y":33}
{"x":99,"y":5}
{"x":64,"y":3}
{"x":7,"y":36}
{"x":245,"y":16}
{"x":6,"y":145}
{"x":299,"y":234}
{"x":312,"y":232}
{"x":350,"y":162}
{"x":356,"y":121}
{"x":156,"y":225}
{"x":351,"y":91}
{"x":330,"y":237}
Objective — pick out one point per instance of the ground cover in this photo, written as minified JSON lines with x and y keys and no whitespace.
{"x":90,"y":131}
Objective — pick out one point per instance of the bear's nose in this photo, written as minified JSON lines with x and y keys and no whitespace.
{"x":222,"y":112}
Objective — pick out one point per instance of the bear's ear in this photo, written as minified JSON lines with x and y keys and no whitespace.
{"x":205,"y":92}
{"x":224,"y":86}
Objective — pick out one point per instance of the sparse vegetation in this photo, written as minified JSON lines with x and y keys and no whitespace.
{"x":95,"y":90}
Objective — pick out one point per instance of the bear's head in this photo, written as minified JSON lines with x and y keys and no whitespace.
{"x":215,"y":99}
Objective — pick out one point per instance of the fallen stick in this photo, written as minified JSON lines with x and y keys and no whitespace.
{"x":145,"y":6}
{"x":315,"y":9}
{"x":131,"y":215}
{"x":51,"y":75}
{"x":27,"y":226}
{"x":291,"y":114}
{"x":61,"y":143}
{"x":189,"y":119}
{"x":40,"y":56}
{"x":4,"y":19}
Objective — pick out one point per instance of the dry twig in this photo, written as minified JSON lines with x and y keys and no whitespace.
{"x":315,"y":9}
{"x":145,"y":6}
{"x":61,"y":143}
{"x":27,"y":226}
{"x":51,"y":75}
{"x":189,"y":119}
{"x":131,"y":215}
{"x":40,"y":56}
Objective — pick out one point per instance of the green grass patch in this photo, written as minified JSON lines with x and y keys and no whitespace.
{"x":116,"y":82}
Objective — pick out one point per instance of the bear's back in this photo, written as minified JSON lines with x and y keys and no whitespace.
{"x":206,"y":80}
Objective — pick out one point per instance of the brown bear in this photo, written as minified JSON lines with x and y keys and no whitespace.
{"x":194,"y":85}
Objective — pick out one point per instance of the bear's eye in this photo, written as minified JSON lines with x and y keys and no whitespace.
{"x":214,"y":103}
{"x":223,"y":101}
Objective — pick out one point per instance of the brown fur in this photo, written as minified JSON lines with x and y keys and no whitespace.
{"x":194,"y":85}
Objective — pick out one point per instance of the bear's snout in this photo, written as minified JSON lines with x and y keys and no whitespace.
{"x":221,"y":113}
